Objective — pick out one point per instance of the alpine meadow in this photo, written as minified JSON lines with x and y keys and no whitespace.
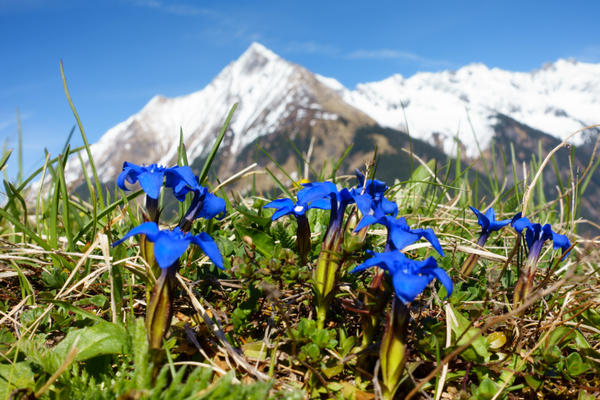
{"x":277,"y":235}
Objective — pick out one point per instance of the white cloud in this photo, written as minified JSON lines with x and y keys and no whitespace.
{"x":173,"y":8}
{"x":392,"y":54}
{"x":311,"y":47}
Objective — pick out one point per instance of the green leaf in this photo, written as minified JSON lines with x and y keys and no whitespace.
{"x":76,"y":310}
{"x":312,"y":350}
{"x":533,"y":382}
{"x":263,"y":242}
{"x":15,"y":376}
{"x":479,"y":345}
{"x":97,"y":340}
{"x":487,"y":389}
{"x":575,"y":365}
{"x":583,"y":395}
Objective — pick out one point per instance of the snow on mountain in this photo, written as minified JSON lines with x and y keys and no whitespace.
{"x":274,"y":94}
{"x":559,"y":99}
{"x":267,"y":89}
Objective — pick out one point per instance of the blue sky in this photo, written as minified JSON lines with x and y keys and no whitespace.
{"x":119,"y":53}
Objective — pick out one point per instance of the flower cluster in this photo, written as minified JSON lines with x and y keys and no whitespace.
{"x":409,"y":277}
{"x":169,"y":245}
{"x":165,"y":247}
{"x":535,"y":236}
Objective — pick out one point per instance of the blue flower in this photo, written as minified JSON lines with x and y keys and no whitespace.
{"x":298,"y":209}
{"x":409,"y":277}
{"x":488,"y":223}
{"x":338,"y":199}
{"x":151,"y":178}
{"x":204,"y":205}
{"x":400,"y":234}
{"x":169,"y":245}
{"x":536,"y":235}
{"x":369,"y":197}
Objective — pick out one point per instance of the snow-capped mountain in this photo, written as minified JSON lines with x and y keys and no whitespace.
{"x":273,"y":95}
{"x":276,"y":97}
{"x":558,"y":99}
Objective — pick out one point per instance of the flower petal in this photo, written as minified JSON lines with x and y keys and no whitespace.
{"x":151,"y":182}
{"x":521,"y":223}
{"x":483,"y":221}
{"x":497,"y":225}
{"x":212,"y":207}
{"x":382,"y":260}
{"x":323,"y":204}
{"x":367,"y":220}
{"x":560,"y":242}
{"x":430,"y":236}
{"x":182,"y":180}
{"x":400,"y":237}
{"x":150,"y":229}
{"x":389,"y":207}
{"x":169,"y":246}
{"x":490,"y":214}
{"x":364,"y":203}
{"x":409,"y":286}
{"x":209,"y":247}
{"x":283,"y":211}
{"x":316,"y":190}
{"x":279,"y":203}
{"x":443,"y":277}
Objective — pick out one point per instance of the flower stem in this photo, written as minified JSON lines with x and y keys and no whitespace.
{"x":160,"y":307}
{"x":303,"y":242}
{"x":392,"y":352}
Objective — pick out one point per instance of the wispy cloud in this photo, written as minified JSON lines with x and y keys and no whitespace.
{"x":393,"y":54}
{"x":311,"y":47}
{"x":182,"y":9}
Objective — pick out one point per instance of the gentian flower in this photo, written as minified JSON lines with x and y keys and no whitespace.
{"x":369,"y":197}
{"x":330,"y":258}
{"x":298,"y":210}
{"x":169,"y":245}
{"x":204,"y":205}
{"x":151,"y":177}
{"x":400,"y":234}
{"x":535,"y":237}
{"x":339,"y":200}
{"x":488,"y":225}
{"x":409,"y":277}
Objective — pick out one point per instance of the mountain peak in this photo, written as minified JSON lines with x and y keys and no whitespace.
{"x":258,"y":50}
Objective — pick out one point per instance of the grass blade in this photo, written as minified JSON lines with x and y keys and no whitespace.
{"x":213,"y":152}
{"x":83,"y":136}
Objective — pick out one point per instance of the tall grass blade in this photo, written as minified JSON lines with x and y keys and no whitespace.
{"x":215,"y":148}
{"x":339,"y":162}
{"x":84,"y":137}
{"x":279,"y":184}
{"x":4,"y":159}
{"x":66,"y":214}
{"x":40,"y":169}
{"x":20,"y":158}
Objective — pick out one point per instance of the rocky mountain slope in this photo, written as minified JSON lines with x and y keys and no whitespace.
{"x":280,"y":102}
